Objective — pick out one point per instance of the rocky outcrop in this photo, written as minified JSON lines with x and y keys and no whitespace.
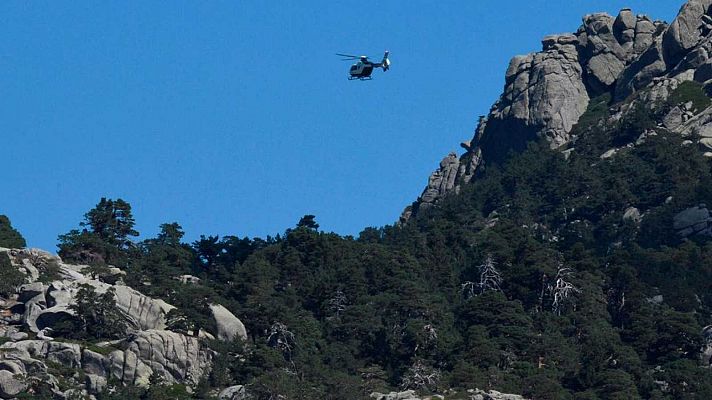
{"x":693,"y":221}
{"x":681,"y":49}
{"x":228,"y":325}
{"x":545,"y":93}
{"x":478,"y":394}
{"x":52,"y":304}
{"x":686,"y":31}
{"x":236,"y":392}
{"x":472,"y":394}
{"x":608,"y":45}
{"x":10,"y":385}
{"x":174,"y":357}
{"x":147,"y":348}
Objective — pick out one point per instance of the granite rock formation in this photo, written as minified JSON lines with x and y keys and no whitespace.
{"x":545,"y":93}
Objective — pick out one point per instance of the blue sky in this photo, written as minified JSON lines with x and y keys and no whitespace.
{"x":237,"y":117}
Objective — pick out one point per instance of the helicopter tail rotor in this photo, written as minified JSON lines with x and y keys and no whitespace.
{"x":385,"y":63}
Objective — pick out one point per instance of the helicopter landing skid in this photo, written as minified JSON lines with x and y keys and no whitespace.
{"x":361,"y":78}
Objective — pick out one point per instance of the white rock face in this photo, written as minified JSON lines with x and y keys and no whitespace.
{"x":228,"y":325}
{"x":177,"y":357}
{"x":147,"y":348}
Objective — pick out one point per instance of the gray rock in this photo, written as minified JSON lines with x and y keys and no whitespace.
{"x":175,"y":357}
{"x":95,"y":363}
{"x":29,"y":291}
{"x":706,"y":353}
{"x":641,"y":72}
{"x":644,"y":33}
{"x":603,"y":56}
{"x":673,"y":119}
{"x":685,"y":31}
{"x":705,"y":144}
{"x":624,"y":27}
{"x":10,"y":385}
{"x":703,"y":73}
{"x":406,"y":395}
{"x":544,"y":95}
{"x":236,"y":392}
{"x":95,"y":384}
{"x":142,"y":312}
{"x":692,"y":221}
{"x":478,"y":394}
{"x":17,"y":336}
{"x":608,"y":154}
{"x":228,"y":325}
{"x":128,"y":369}
{"x":632,"y":214}
{"x":442,"y":180}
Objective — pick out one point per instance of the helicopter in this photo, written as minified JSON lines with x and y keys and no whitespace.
{"x":363,"y":68}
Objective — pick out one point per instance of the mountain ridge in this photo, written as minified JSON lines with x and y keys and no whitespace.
{"x":571,"y":259}
{"x":547,"y":92}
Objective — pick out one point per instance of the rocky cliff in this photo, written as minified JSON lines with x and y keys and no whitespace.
{"x":29,"y":352}
{"x":545,"y":93}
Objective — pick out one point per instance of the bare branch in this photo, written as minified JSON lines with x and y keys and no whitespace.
{"x":562,"y":290}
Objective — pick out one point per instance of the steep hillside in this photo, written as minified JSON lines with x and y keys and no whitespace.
{"x":546,"y":93}
{"x":566,"y":255}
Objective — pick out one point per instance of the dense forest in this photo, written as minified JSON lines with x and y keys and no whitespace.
{"x":533,"y":279}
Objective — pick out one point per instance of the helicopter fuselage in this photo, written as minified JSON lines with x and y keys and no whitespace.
{"x":361,"y":70}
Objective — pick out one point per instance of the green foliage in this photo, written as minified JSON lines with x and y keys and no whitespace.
{"x":308,"y":222}
{"x":97,"y":316}
{"x":574,"y":315}
{"x":596,"y":111}
{"x":11,"y":276}
{"x":105,"y":235}
{"x":9,"y":236}
{"x":634,"y":122}
{"x":690,"y":91}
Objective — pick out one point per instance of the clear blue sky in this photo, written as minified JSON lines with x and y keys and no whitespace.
{"x":236,"y":117}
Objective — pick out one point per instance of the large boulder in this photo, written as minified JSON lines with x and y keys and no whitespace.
{"x":173,"y":356}
{"x":685,"y":31}
{"x":693,"y":221}
{"x":54,"y":305}
{"x":544,"y":96}
{"x":237,"y":392}
{"x":642,"y":71}
{"x":478,"y":394}
{"x":10,"y":385}
{"x":228,"y":325}
{"x":406,"y":395}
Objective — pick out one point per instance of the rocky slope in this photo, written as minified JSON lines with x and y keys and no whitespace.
{"x":545,"y":93}
{"x":29,"y":352}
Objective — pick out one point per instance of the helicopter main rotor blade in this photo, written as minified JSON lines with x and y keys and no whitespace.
{"x":346,"y":55}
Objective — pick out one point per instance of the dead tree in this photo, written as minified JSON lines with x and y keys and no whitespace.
{"x":490,"y":278}
{"x":420,"y":377}
{"x":337,"y":304}
{"x":429,"y":338}
{"x":281,"y":338}
{"x":562,"y":290}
